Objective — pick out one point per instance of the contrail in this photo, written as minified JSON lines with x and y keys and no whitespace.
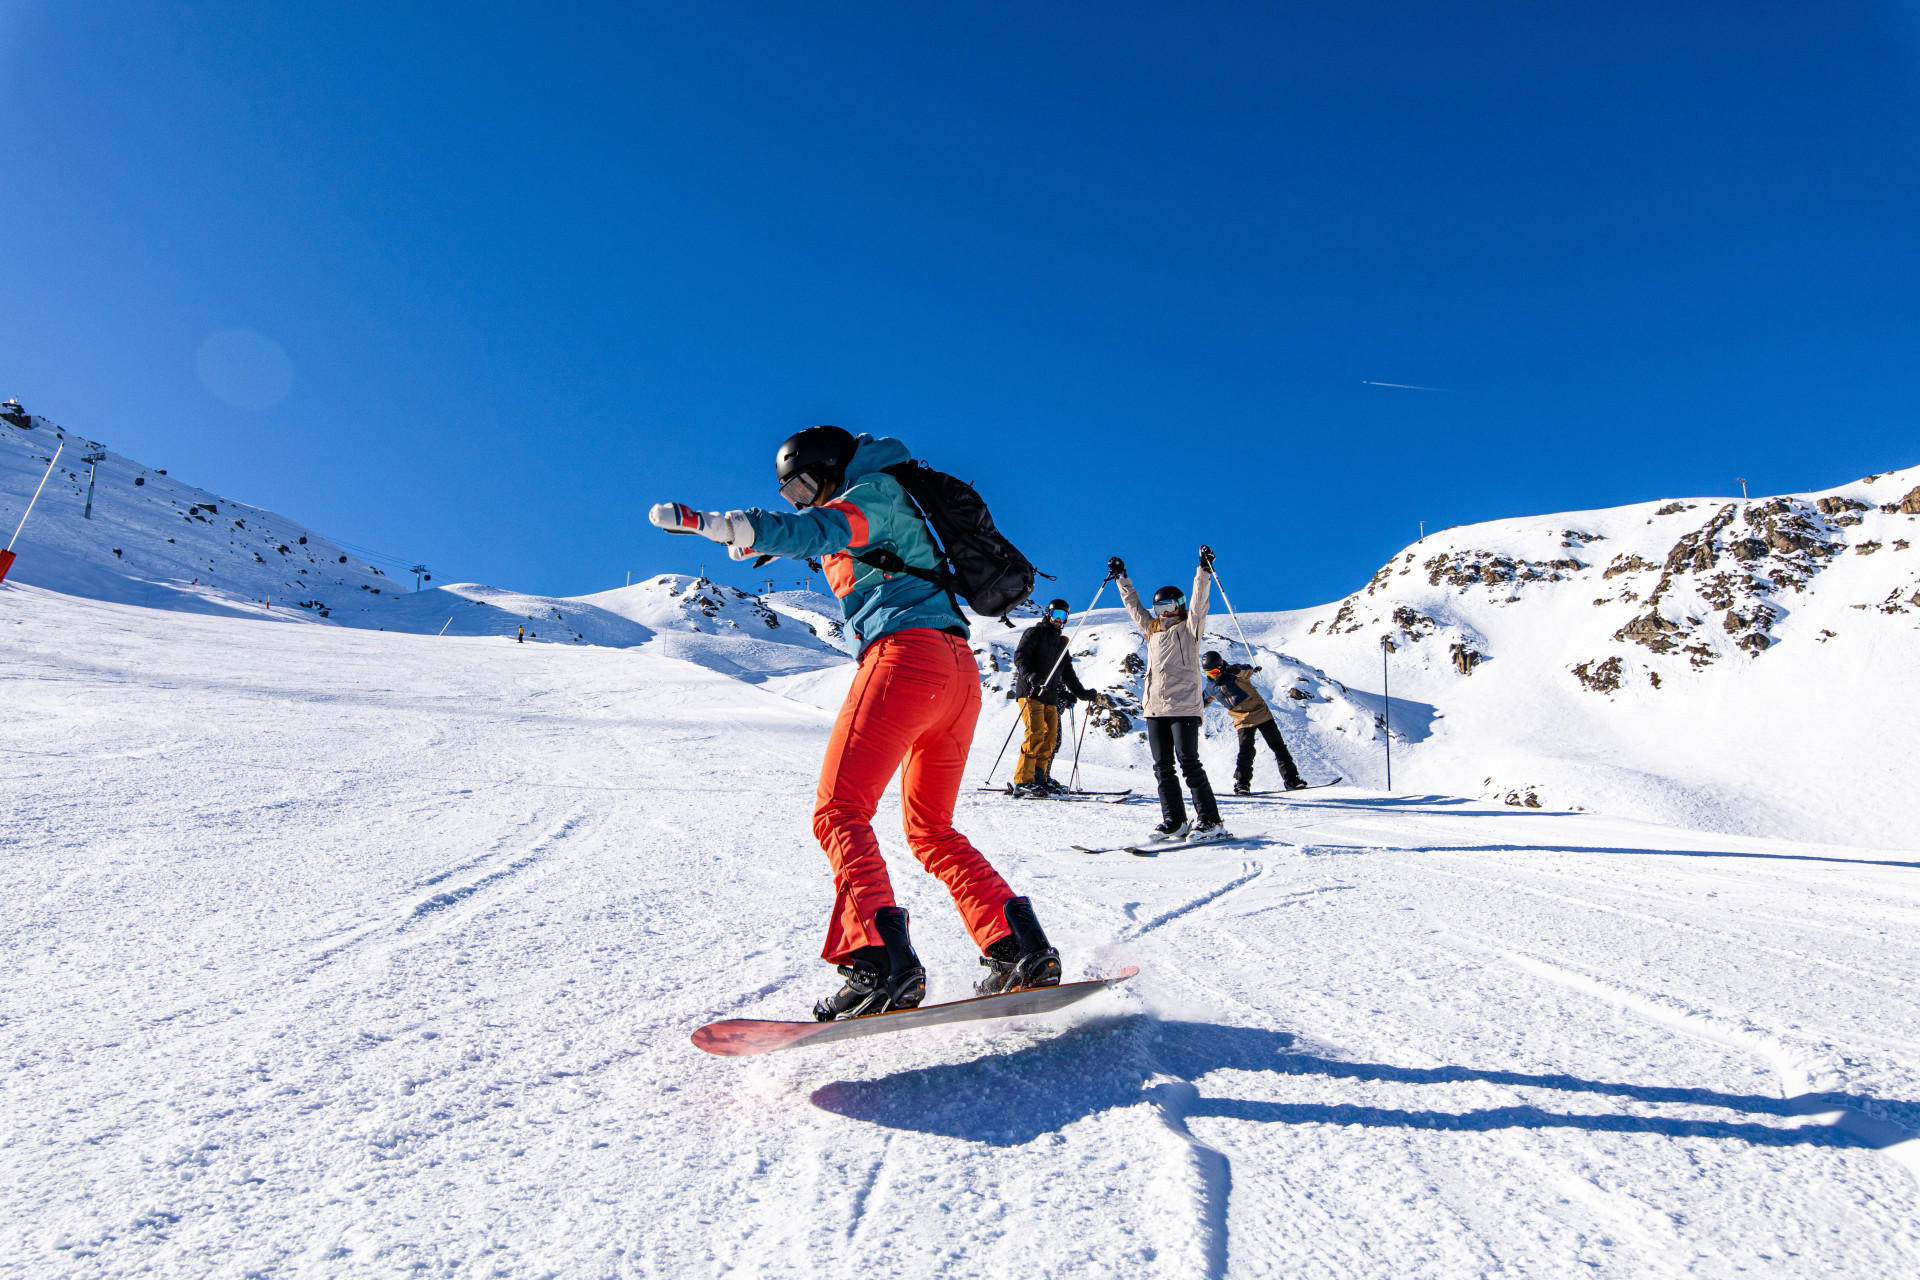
{"x":1403,"y":386}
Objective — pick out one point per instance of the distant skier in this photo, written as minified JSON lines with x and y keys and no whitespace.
{"x":1173,"y":698}
{"x":522,"y":637}
{"x":1044,"y":680}
{"x":1252,"y":717}
{"x":912,"y":707}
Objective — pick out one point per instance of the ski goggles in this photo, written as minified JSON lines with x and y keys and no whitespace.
{"x":1058,"y":615}
{"x":801,"y":489}
{"x":1161,"y":608}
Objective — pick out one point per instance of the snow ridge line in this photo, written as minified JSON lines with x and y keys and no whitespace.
{"x":452,"y":897}
{"x":1210,"y":1171}
{"x":1253,"y":872}
{"x":1796,"y":1086}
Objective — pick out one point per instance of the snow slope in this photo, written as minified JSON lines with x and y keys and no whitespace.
{"x":1729,"y":665}
{"x":1724,"y":665}
{"x":340,"y":952}
{"x":154,"y":541}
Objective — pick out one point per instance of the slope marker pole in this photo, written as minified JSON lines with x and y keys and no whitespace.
{"x":6,"y":556}
{"x":1386,"y":696}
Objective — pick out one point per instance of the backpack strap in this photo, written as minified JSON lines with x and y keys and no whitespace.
{"x":887,"y":562}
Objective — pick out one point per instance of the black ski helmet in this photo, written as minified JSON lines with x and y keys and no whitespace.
{"x":1212,"y":661}
{"x":1170,"y":593}
{"x":1058,"y":603}
{"x":811,"y":465}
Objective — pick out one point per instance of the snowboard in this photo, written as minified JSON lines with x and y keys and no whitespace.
{"x":1282,"y":791}
{"x":740,"y":1037}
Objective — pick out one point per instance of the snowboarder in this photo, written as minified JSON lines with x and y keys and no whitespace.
{"x":522,"y":637}
{"x":912,"y":707}
{"x":1252,"y":718}
{"x":1173,"y":699}
{"x":1044,"y":680}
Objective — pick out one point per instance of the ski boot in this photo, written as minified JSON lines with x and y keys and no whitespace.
{"x":1022,"y":959}
{"x":1052,"y":788}
{"x":1171,"y":829}
{"x":1029,"y":790}
{"x":1205,"y":831}
{"x":879,"y":979}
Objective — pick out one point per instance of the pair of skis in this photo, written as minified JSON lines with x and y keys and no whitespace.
{"x":1099,"y":797}
{"x":1154,"y":850}
{"x":1283,"y":791}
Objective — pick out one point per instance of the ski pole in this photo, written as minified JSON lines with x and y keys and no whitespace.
{"x":1049,"y":680}
{"x":1078,"y":735}
{"x":6,"y":556}
{"x":1230,"y":613}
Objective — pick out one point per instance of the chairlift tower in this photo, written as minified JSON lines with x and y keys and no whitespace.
{"x":93,"y":461}
{"x":420,"y":571}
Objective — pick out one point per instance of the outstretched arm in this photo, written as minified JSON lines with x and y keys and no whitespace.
{"x":1197,"y":603}
{"x":1131,"y":598}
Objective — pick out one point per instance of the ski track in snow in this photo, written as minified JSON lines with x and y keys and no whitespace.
{"x":339,"y":953}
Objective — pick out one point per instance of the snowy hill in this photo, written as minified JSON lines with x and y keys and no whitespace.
{"x":1728,"y":665}
{"x":348,"y":937}
{"x":152,"y":540}
{"x":334,"y":952}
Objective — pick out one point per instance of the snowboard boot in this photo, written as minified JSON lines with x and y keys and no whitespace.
{"x":1243,"y":788}
{"x":879,"y":979}
{"x":1022,"y":959}
{"x":1171,"y":829}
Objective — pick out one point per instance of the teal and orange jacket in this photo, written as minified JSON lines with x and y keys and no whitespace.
{"x":871,"y":512}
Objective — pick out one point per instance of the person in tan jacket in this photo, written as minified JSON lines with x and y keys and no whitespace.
{"x":1173,"y":701}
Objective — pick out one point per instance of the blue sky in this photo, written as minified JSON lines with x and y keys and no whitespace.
{"x":1129,"y":267}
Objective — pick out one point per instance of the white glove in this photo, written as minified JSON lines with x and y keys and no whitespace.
{"x":732,"y":528}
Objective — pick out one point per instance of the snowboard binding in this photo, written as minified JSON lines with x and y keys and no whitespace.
{"x":1022,"y":959}
{"x":879,"y":979}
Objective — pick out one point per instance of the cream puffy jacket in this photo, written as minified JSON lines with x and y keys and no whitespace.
{"x":1173,"y":651}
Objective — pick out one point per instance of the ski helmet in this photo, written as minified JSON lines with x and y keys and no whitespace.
{"x":812,"y":464}
{"x":1212,"y":661}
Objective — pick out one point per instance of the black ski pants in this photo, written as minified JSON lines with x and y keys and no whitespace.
{"x":1177,"y":738}
{"x":1243,"y":767}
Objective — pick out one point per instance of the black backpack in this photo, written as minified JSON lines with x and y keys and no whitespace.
{"x":982,"y":565}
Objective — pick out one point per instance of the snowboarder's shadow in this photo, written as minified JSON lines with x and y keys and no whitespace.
{"x":1006,"y":1100}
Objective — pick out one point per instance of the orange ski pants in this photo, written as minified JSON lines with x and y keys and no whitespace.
{"x":912,"y":707}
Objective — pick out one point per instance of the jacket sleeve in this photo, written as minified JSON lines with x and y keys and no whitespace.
{"x":1197,"y":604}
{"x":1131,"y":598}
{"x":1069,"y":678}
{"x":817,"y":531}
{"x":1025,"y":653}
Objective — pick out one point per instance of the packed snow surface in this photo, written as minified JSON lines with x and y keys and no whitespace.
{"x":340,"y":952}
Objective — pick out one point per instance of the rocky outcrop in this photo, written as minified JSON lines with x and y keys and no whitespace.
{"x":1599,"y":677}
{"x":1487,"y":568}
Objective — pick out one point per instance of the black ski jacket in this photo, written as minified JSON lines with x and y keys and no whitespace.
{"x":1034,"y":656}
